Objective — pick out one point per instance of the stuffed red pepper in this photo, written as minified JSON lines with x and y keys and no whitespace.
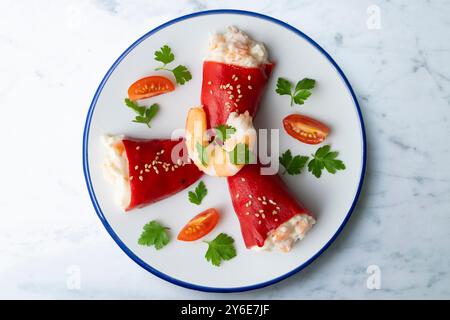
{"x":268,"y":214}
{"x":146,"y":171}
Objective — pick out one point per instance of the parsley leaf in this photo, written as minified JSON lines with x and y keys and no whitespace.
{"x":154,"y":234}
{"x":203,"y":154}
{"x":241,"y":154}
{"x":284,"y":87}
{"x":221,"y":248}
{"x":292,"y":165}
{"x":324,"y":158}
{"x":164,"y":55}
{"x":145,"y":114}
{"x":301,"y":92}
{"x":200,"y":192}
{"x":135,"y":107}
{"x":224,"y":132}
{"x":182,"y":74}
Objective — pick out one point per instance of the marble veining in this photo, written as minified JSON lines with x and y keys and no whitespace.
{"x":395,"y":54}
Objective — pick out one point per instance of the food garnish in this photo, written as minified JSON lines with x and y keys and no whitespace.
{"x":200,"y":192}
{"x":149,"y":87}
{"x":154,"y":234}
{"x":241,"y":154}
{"x":221,"y":248}
{"x":166,"y":56}
{"x":223,"y":132}
{"x":203,"y":153}
{"x":293,"y":165}
{"x":145,"y":114}
{"x":302,"y":89}
{"x":305,"y":129}
{"x":200,"y":225}
{"x":324,"y":158}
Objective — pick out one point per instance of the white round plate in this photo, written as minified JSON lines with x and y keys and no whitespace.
{"x":331,"y":198}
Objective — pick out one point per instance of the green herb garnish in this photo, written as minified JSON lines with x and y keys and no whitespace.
{"x":200,"y":192}
{"x":203,"y":153}
{"x":154,"y":234}
{"x":241,"y":154}
{"x":324,"y":158}
{"x":302,"y":89}
{"x":221,"y":248}
{"x":224,"y":132}
{"x":145,"y":114}
{"x":293,"y":165}
{"x":165,"y":55}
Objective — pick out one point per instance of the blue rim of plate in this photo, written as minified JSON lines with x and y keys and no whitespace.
{"x":116,"y":238}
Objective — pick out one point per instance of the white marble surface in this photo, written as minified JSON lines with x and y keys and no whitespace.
{"x":54,"y":54}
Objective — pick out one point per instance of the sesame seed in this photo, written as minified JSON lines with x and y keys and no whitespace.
{"x":240,"y":96}
{"x":232,"y":77}
{"x":242,"y":179}
{"x":228,"y":92}
{"x":141,"y":178}
{"x":256,"y":215}
{"x":209,"y":82}
{"x":136,"y":167}
{"x":210,"y":91}
{"x":239,"y":91}
{"x":278,"y":208}
{"x":238,"y":86}
{"x":274,"y":212}
{"x":259,"y":222}
{"x":249,"y":77}
{"x":236,"y":79}
{"x":146,"y":170}
{"x":140,"y":172}
{"x":137,"y":148}
{"x":237,"y":100}
{"x":264,"y":203}
{"x":250,"y":196}
{"x":264,"y":198}
{"x":259,"y":199}
{"x":131,"y":178}
{"x":272,"y":202}
{"x":263,"y":216}
{"x":276,"y":220}
{"x":261,"y":211}
{"x":162,"y":151}
{"x":247,"y":213}
{"x":249,"y":87}
{"x":237,"y":195}
{"x":231,"y":87}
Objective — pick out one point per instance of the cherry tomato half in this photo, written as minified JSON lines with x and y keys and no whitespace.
{"x":200,"y":225}
{"x":149,"y":87}
{"x":305,"y":129}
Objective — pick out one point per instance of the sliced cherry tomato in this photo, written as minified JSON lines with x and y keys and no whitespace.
{"x":305,"y":129}
{"x":200,"y":225}
{"x":149,"y":87}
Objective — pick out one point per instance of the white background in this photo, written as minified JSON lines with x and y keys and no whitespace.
{"x":55,"y":53}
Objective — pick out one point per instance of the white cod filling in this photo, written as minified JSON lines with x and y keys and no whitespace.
{"x":236,"y":47}
{"x":115,"y":170}
{"x":284,"y":237}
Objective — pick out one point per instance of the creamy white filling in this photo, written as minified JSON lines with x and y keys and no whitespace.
{"x":245,"y":131}
{"x":236,"y":47}
{"x":115,"y":169}
{"x":284,"y":237}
